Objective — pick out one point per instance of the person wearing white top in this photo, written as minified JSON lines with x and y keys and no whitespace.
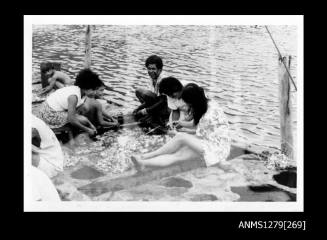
{"x":153,"y":104}
{"x":46,"y":150}
{"x":61,"y":106}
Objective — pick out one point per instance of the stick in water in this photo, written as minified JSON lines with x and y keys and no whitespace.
{"x":152,"y":130}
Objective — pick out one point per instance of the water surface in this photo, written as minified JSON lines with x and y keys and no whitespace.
{"x":237,"y":65}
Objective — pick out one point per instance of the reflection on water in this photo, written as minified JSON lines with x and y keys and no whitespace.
{"x":237,"y":65}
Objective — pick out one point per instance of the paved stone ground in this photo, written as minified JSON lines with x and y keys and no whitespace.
{"x":249,"y":180}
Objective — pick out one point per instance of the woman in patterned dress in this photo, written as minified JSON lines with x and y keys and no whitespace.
{"x":205,"y":138}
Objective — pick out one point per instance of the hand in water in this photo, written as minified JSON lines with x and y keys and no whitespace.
{"x":91,"y":132}
{"x":172,"y":132}
{"x":92,"y":127}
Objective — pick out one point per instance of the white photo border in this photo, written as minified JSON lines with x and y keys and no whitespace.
{"x":64,"y":206}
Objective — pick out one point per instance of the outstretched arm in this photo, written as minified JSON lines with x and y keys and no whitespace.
{"x":48,"y":88}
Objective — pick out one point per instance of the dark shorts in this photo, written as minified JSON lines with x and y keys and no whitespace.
{"x":146,"y":96}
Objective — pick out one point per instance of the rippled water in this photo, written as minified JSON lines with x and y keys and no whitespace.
{"x":237,"y":65}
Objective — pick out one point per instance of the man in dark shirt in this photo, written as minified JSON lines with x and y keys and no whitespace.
{"x":153,"y":111}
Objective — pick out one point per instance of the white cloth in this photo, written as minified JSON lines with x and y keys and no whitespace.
{"x":58,"y":100}
{"x":174,"y":103}
{"x":51,"y":155}
{"x":41,"y":186}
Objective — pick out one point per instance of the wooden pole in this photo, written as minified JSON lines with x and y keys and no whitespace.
{"x":285,"y":108}
{"x":87,"y":62}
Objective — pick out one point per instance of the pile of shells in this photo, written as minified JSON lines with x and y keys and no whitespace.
{"x":277,"y":161}
{"x":112,"y":151}
{"x":120,"y":147}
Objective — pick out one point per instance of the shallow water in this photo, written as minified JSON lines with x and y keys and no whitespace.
{"x":237,"y":65}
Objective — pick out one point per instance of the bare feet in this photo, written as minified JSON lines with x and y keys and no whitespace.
{"x":138,"y":165}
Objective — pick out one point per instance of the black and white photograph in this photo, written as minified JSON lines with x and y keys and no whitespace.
{"x":163,"y":113}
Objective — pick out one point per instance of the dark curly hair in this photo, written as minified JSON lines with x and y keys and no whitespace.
{"x":154,"y":59}
{"x":87,"y":79}
{"x":194,"y":96}
{"x":170,"y":85}
{"x":47,"y":66}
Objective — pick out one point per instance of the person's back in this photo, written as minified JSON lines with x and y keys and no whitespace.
{"x":56,"y":79}
{"x":58,"y":99}
{"x":63,"y":78}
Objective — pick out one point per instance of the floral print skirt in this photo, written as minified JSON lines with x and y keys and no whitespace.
{"x":54,"y":119}
{"x":215,"y":152}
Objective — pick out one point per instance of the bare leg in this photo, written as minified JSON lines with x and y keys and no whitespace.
{"x":170,"y":147}
{"x":145,"y":96}
{"x":182,"y":154}
{"x":181,"y":139}
{"x":138,"y":94}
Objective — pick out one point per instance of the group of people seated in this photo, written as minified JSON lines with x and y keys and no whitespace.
{"x":198,"y":124}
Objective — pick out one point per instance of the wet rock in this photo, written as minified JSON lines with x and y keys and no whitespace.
{"x":286,"y":178}
{"x":204,"y":197}
{"x":63,"y":195}
{"x":104,"y":197}
{"x":58,"y":181}
{"x":117,"y":187}
{"x":177,"y":182}
{"x":86,"y":172}
{"x":236,"y":151}
{"x":68,"y":192}
{"x":82,"y":139}
{"x":263,"y":193}
{"x":176,"y":192}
